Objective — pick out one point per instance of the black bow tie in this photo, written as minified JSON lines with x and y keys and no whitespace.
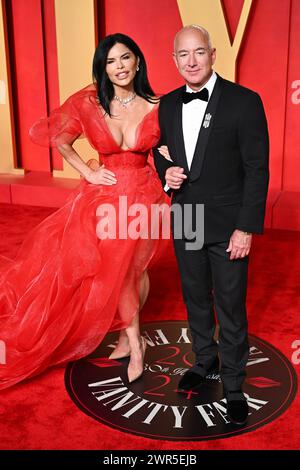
{"x":200,"y":95}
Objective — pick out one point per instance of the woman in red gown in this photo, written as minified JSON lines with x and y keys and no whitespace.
{"x":71,"y":283}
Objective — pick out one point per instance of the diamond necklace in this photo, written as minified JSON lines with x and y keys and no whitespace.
{"x":125,"y":101}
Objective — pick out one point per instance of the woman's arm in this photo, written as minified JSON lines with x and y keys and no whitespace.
{"x":98,"y":176}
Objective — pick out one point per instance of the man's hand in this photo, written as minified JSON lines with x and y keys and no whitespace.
{"x":239,"y":244}
{"x":175,"y":177}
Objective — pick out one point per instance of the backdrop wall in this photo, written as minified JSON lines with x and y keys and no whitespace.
{"x":49,"y":46}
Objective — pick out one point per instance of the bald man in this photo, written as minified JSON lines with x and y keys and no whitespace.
{"x":214,"y":151}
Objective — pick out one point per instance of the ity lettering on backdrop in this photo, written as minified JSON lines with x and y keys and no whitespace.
{"x":210,"y":15}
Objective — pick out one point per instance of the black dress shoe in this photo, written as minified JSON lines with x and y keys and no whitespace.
{"x":192,"y":380}
{"x":237,"y":407}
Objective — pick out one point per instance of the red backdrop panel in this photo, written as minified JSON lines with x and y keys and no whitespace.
{"x":232,"y":10}
{"x":51,"y":67}
{"x":262,"y":66}
{"x":29,"y":78}
{"x":291,"y":163}
{"x":152,"y":25}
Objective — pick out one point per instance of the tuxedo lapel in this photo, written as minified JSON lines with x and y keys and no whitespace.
{"x":205,"y":129}
{"x":178,"y":134}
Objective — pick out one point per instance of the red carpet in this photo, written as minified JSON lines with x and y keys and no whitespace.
{"x":39,"y":414}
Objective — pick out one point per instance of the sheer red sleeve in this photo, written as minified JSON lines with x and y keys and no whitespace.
{"x":62,"y":126}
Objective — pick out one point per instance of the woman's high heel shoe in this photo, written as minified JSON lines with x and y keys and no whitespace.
{"x":135,"y":372}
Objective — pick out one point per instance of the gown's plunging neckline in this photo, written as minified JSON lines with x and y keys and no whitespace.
{"x":129,"y":149}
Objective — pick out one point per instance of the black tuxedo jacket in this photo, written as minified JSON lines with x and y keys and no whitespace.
{"x":229,"y":172}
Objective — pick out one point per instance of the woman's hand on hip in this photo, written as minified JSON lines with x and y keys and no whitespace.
{"x":101,"y":176}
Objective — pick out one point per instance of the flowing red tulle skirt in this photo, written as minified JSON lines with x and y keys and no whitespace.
{"x":68,"y":287}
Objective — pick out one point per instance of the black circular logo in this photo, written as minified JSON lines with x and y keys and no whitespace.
{"x":152,"y":406}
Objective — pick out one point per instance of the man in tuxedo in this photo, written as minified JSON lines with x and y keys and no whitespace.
{"x":216,"y":135}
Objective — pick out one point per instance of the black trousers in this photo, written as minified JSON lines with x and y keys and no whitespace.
{"x":214,"y":284}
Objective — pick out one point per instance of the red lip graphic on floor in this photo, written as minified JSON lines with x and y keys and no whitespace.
{"x":104,"y":362}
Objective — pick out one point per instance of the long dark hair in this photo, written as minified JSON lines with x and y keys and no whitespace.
{"x":105,"y":90}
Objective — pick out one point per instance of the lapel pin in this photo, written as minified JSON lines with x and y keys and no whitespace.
{"x":207,"y":119}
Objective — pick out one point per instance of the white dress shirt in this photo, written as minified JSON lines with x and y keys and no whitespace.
{"x":192,"y":117}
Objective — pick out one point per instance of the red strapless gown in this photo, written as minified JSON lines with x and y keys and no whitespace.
{"x":67,"y":287}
